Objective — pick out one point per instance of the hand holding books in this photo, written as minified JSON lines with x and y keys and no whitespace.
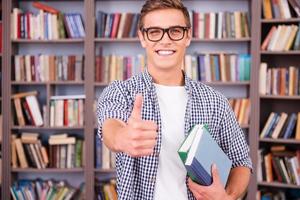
{"x":138,"y":137}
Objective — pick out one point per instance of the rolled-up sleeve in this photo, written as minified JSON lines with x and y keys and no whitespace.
{"x":111,"y":104}
{"x":234,"y":139}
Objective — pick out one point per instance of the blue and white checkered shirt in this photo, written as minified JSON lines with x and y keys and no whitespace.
{"x":136,"y":176}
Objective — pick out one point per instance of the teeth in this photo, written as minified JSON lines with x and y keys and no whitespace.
{"x":165,"y":52}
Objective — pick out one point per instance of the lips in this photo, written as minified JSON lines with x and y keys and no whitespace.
{"x":165,"y":52}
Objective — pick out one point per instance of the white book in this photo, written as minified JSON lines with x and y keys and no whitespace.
{"x":286,"y":9}
{"x":233,"y":60}
{"x":121,"y":25}
{"x":285,"y":38}
{"x":263,"y":78}
{"x":220,"y":22}
{"x":35,"y":110}
{"x":207,"y":68}
{"x":27,"y":68}
{"x":59,"y":114}
{"x":58,"y":141}
{"x":212,"y":25}
{"x":17,"y":68}
{"x":201,"y":25}
{"x":274,"y":38}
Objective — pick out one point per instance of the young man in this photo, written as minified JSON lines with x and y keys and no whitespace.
{"x":145,"y":118}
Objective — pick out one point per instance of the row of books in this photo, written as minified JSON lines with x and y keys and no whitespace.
{"x":282,"y":38}
{"x":106,"y":190}
{"x":280,"y":9}
{"x":114,"y":67}
{"x":67,"y":110}
{"x":282,"y":126}
{"x":267,"y":194}
{"x":25,"y":189}
{"x":40,"y":68}
{"x":104,"y":158}
{"x":279,"y":81}
{"x":46,"y":26}
{"x":279,"y":165}
{"x":242,"y":109}
{"x":61,"y":151}
{"x":117,"y":25}
{"x":218,"y":67}
{"x":27,"y":109}
{"x":220,"y":25}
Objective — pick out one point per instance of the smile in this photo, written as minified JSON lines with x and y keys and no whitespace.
{"x":165,"y":52}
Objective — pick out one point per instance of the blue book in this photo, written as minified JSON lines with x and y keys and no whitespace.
{"x":290,"y":126}
{"x":199,"y":151}
{"x":217,"y":67}
{"x":297,"y":41}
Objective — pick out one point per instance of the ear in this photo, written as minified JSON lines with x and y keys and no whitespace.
{"x":189,"y":37}
{"x":142,"y":38}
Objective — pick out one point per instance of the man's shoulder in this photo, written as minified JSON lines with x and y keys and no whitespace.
{"x":201,"y":89}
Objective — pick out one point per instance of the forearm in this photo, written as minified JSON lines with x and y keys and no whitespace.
{"x":238,"y":181}
{"x":110,"y":130}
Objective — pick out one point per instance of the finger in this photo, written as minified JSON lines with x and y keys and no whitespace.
{"x":144,"y":135}
{"x":140,"y":153}
{"x":215,"y":173}
{"x":194,"y":186}
{"x":145,"y":144}
{"x":144,"y":125}
{"x":137,"y":107}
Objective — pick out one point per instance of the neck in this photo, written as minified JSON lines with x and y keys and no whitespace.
{"x":168,"y":77}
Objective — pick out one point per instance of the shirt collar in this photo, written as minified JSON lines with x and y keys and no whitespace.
{"x":149,"y":81}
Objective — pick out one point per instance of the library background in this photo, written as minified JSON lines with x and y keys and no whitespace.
{"x":57,"y":56}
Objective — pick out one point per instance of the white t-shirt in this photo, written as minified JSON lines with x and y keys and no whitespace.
{"x":171,"y":174}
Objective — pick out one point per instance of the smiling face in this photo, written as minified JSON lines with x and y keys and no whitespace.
{"x":166,"y":54}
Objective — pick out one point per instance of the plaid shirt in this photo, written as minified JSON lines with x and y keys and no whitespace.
{"x":136,"y":176}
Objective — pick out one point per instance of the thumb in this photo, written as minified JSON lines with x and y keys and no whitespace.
{"x":137,"y":107}
{"x":215,"y":173}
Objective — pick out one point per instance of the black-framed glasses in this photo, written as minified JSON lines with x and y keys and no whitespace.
{"x":175,"y":33}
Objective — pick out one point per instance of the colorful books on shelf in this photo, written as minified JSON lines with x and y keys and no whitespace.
{"x":279,"y":81}
{"x":28,"y":151}
{"x":105,"y":190}
{"x":221,"y":25}
{"x":280,"y":9}
{"x":282,"y":38}
{"x":199,"y":151}
{"x":225,"y":67}
{"x":45,"y":25}
{"x":104,"y":158}
{"x":242,"y":109}
{"x":41,"y":68}
{"x":67,"y":110}
{"x":62,"y":151}
{"x":282,"y":125}
{"x":114,"y":67}
{"x":279,"y":164}
{"x":270,"y":194}
{"x":44,"y":189}
{"x":116,"y":25}
{"x":27,"y":109}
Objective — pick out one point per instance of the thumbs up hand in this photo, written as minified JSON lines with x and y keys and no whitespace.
{"x":139,"y":136}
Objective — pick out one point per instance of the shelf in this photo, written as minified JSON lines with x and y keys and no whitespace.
{"x":193,"y":40}
{"x":215,"y":83}
{"x":104,"y":170}
{"x":48,"y":83}
{"x":296,"y":97}
{"x":48,"y":41}
{"x":47,"y":170}
{"x":280,"y":52}
{"x":46,"y":128}
{"x":270,"y":21}
{"x":229,"y":83}
{"x":280,"y":141}
{"x":278,"y":185}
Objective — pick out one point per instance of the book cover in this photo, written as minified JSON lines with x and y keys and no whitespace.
{"x":199,"y":151}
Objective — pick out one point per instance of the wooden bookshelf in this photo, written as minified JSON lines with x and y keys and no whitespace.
{"x":280,"y":141}
{"x":89,"y":86}
{"x":47,"y":170}
{"x":265,"y":104}
{"x":278,"y":185}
